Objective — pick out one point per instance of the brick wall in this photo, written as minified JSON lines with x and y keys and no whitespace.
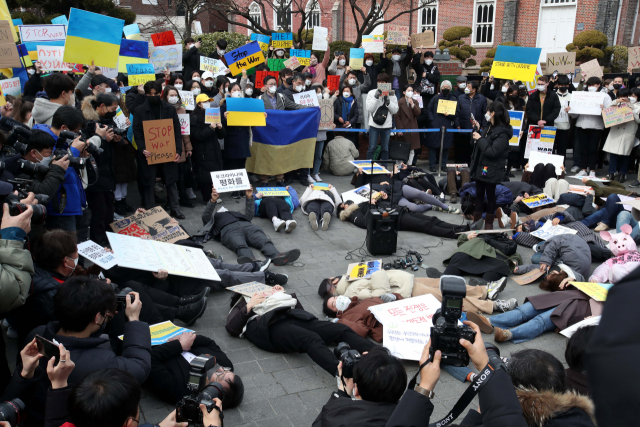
{"x":627,"y":16}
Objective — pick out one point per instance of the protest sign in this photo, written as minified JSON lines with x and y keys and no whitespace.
{"x":418,"y":98}
{"x":251,"y":288}
{"x":263,"y":41}
{"x":244,"y":57}
{"x":132,"y":52}
{"x":50,"y":57}
{"x":41,"y":33}
{"x":590,"y":321}
{"x":447,"y":107}
{"x":397,"y":34}
{"x":515,"y":62}
{"x":326,"y":114}
{"x":587,"y":102}
{"x":517,"y":117}
{"x":185,"y":124}
{"x":580,"y":189}
{"x":11,"y":87}
{"x":590,"y":69}
{"x":589,"y":178}
{"x":562,"y":62}
{"x":131,"y":32}
{"x":291,"y":63}
{"x":410,"y":310}
{"x":166,"y":57}
{"x":160,"y":140}
{"x":366,"y":166}
{"x":423,"y":39}
{"x":333,"y":82}
{"x":245,"y":112}
{"x":616,"y":115}
{"x":188,"y":100}
{"x":304,"y":56}
{"x":260,"y":75}
{"x":92,"y":37}
{"x":597,"y":291}
{"x":540,"y":139}
{"x":385,"y":88}
{"x":537,"y":201}
{"x":358,"y":195}
{"x":322,"y":186}
{"x":373,"y":43}
{"x":9,"y":56}
{"x":530,"y":277}
{"x":111,"y":73}
{"x":140,"y":73}
{"x":154,"y":224}
{"x":231,"y":180}
{"x":216,"y":66}
{"x":320,"y":42}
{"x":281,"y":41}
{"x":307,"y":98}
{"x":536,"y":157}
{"x":548,"y":230}
{"x":212,"y":115}
{"x":61,"y":20}
{"x":363,"y":270}
{"x":165,"y":38}
{"x":120,"y":120}
{"x":273,"y":191}
{"x":161,"y":333}
{"x":634,"y":58}
{"x":97,"y":254}
{"x":405,"y":340}
{"x":356,"y":58}
{"x":149,"y":255}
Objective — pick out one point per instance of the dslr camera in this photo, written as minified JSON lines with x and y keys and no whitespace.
{"x":188,"y":408}
{"x":70,"y":137}
{"x":121,"y":299}
{"x":16,"y":208}
{"x":348,"y":357}
{"x":12,"y":411}
{"x":90,"y":129}
{"x":32,"y":169}
{"x":446,"y":332}
{"x":18,"y":135}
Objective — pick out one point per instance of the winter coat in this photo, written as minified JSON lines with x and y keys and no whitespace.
{"x":518,"y":188}
{"x":407,"y":118}
{"x":292,"y":200}
{"x":490,"y":154}
{"x":49,"y":185}
{"x":43,"y":111}
{"x":341,"y":410}
{"x":334,"y":70}
{"x":476,"y":105}
{"x":570,"y":250}
{"x":337,"y":155}
{"x":191,"y":61}
{"x":358,"y":317}
{"x":549,"y":113}
{"x":237,"y":141}
{"x":206,"y":148}
{"x":332,"y":196}
{"x":622,"y":137}
{"x":479,"y":248}
{"x":211,"y":229}
{"x":372,"y":72}
{"x":186,"y":139}
{"x":381,"y":282}
{"x":16,"y":269}
{"x":358,"y":90}
{"x":38,"y":309}
{"x":437,"y":121}
{"x":548,"y":408}
{"x":282,"y":102}
{"x":424,"y":71}
{"x":321,"y":68}
{"x":503,"y":195}
{"x":76,"y":199}
{"x":374,"y":103}
{"x":352,"y":118}
{"x":404,"y":63}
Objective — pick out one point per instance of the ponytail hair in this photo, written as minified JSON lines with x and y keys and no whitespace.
{"x":107,"y":99}
{"x":501,"y":114}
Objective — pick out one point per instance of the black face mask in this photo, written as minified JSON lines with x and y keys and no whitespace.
{"x":154,"y":100}
{"x":514,"y":97}
{"x":289,"y":81}
{"x":445,"y":92}
{"x":617,"y":86}
{"x":110,"y":114}
{"x":563,"y":89}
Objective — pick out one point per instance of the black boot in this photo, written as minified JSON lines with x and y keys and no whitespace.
{"x":192,"y":312}
{"x":612,"y":177}
{"x":622,"y":178}
{"x":194,"y":298}
{"x":120,"y":207}
{"x":127,"y":208}
{"x":185,"y":202}
{"x":177,"y":214}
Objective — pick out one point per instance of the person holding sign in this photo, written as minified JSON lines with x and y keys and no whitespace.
{"x":428,"y":74}
{"x":339,"y":64}
{"x":439,"y":120}
{"x":319,"y":70}
{"x":562,"y":122}
{"x":381,"y":110}
{"x":191,"y":56}
{"x":622,"y":137}
{"x":407,"y":118}
{"x":396,"y":68}
{"x":345,"y":110}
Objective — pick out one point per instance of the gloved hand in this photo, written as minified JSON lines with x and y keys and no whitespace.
{"x":386,"y":101}
{"x":378,"y":93}
{"x":388,"y":297}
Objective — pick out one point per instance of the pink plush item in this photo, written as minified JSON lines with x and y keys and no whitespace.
{"x":626,"y":257}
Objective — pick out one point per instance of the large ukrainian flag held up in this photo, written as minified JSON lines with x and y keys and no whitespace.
{"x":287,"y":143}
{"x":515,"y":63}
{"x":93,"y":37}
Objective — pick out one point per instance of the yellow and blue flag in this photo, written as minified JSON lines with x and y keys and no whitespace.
{"x":32,"y":48}
{"x":548,"y":134}
{"x":92,"y":37}
{"x":515,"y":63}
{"x":24,"y":55}
{"x":287,"y":143}
{"x":247,"y":56}
{"x":262,"y":40}
{"x":132,"y":32}
{"x":516,"y":119}
{"x":132,"y":52}
{"x":16,"y":22}
{"x":245,"y":112}
{"x":62,"y":19}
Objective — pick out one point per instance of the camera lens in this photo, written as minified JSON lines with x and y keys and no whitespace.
{"x":341,"y":349}
{"x":211,"y":391}
{"x":12,"y":411}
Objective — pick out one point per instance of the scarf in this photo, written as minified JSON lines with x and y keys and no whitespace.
{"x":346,"y":107}
{"x":396,"y":68}
{"x":312,"y":69}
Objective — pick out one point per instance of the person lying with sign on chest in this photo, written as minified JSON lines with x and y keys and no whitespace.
{"x":279,"y":209}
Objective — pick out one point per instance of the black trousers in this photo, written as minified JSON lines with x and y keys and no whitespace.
{"x":589,"y":140}
{"x":411,"y":221}
{"x":319,"y":207}
{"x":489,"y":276}
{"x":231,"y":164}
{"x":275,"y":206}
{"x":462,"y":146}
{"x":185,"y":178}
{"x":238,"y":236}
{"x":289,"y":335}
{"x":424,"y":183}
{"x":541,"y":173}
{"x":561,"y":142}
{"x":102,"y":207}
{"x":489,"y":189}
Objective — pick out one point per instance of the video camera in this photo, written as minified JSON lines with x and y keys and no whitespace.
{"x":71,"y":136}
{"x":121,"y":299}
{"x":348,"y":357}
{"x":445,"y":332}
{"x":188,"y":408}
{"x":18,"y":135}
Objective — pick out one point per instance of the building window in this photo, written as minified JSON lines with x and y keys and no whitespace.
{"x":428,"y":19}
{"x":169,"y":3}
{"x":564,"y":2}
{"x":282,"y":16}
{"x":483,"y":22}
{"x":313,"y":13}
{"x":255,"y":13}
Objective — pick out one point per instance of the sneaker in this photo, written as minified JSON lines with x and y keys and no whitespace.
{"x":494,"y":288}
{"x":478,"y":225}
{"x":438,"y":209}
{"x":635,"y":184}
{"x":582,"y":173}
{"x":575,"y":169}
{"x":291,"y":225}
{"x":158,"y":188}
{"x":317,"y":177}
{"x":483,"y":323}
{"x":433,"y":273}
{"x":193,"y":298}
{"x":310,"y":180}
{"x":117,"y":217}
{"x":286,"y":257}
{"x":192,"y":312}
{"x":442,"y":197}
{"x":264,"y":266}
{"x":505,"y":305}
{"x":278,"y":224}
{"x":592,"y":174}
{"x":246,"y":260}
{"x":453,"y":210}
{"x":474,"y":281}
{"x":190,"y":194}
{"x":601,"y":227}
{"x":313,"y":221}
{"x":502,"y":335}
{"x":211,"y":254}
{"x":513,"y":220}
{"x":514,"y":169}
{"x":326,"y":219}
{"x":275,"y":278}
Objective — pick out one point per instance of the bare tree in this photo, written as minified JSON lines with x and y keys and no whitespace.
{"x":166,"y":11}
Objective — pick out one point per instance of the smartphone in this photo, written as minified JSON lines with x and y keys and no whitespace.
{"x":199,"y":39}
{"x":555,"y":74}
{"x":47,"y":348}
{"x":485,"y":74}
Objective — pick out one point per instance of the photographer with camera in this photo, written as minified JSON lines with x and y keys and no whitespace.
{"x":40,"y":151}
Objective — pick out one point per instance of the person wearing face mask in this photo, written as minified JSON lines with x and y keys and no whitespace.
{"x":195,"y":76}
{"x":307,"y":80}
{"x":339,"y":64}
{"x":101,"y":84}
{"x":473,"y":104}
{"x":286,"y":77}
{"x":633,"y":100}
{"x":621,"y":138}
{"x":543,"y":106}
{"x":60,"y":90}
{"x":396,"y":68}
{"x":513,"y":102}
{"x":191,"y":56}
{"x":428,"y":75}
{"x":562,"y":122}
{"x":318,"y":69}
{"x":246,"y":85}
{"x":40,"y":150}
{"x":345,"y":112}
{"x":372,"y":69}
{"x":275,"y":100}
{"x":208,"y":82}
{"x":461,"y":83}
{"x":177,"y":82}
{"x":493,"y":88}
{"x":221,"y":49}
{"x":437,"y":120}
{"x":276,"y":58}
{"x":195,"y":87}
{"x":614,"y":87}
{"x":407,"y":118}
{"x":359,"y":92}
{"x":297,"y":86}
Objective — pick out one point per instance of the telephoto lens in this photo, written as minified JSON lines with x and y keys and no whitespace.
{"x":12,"y":411}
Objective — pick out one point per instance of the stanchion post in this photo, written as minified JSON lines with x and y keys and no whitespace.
{"x":442,"y":132}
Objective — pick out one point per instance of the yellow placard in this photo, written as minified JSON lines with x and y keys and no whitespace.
{"x":243,"y":118}
{"x":282,"y":44}
{"x":140,"y":79}
{"x":447,"y":107}
{"x":597,"y":291}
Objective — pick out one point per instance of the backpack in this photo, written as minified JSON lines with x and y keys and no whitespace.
{"x":381,"y":114}
{"x":501,"y":242}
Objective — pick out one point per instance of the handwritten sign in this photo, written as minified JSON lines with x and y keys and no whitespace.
{"x":373,"y":43}
{"x":249,"y":289}
{"x":530,"y":277}
{"x":165,"y":38}
{"x":244,"y":57}
{"x":363,"y":270}
{"x":188,"y":100}
{"x":423,"y":39}
{"x":159,"y":140}
{"x":11,"y":86}
{"x":597,"y":291}
{"x":410,"y":310}
{"x":320,"y":42}
{"x":537,"y":201}
{"x":216,"y":66}
{"x":614,"y":116}
{"x":304,"y":56}
{"x":9,"y":56}
{"x":587,"y":102}
{"x":447,"y":107}
{"x":260,"y":75}
{"x":212,"y":116}
{"x":97,"y":254}
{"x":185,"y":124}
{"x":405,"y":340}
{"x":589,"y":69}
{"x":385,"y":88}
{"x":356,"y":58}
{"x":397,"y":34}
{"x":281,"y":41}
{"x":262,"y":40}
{"x":42,"y":33}
{"x":307,"y":98}
{"x":154,"y":224}
{"x":634,"y":57}
{"x":291,"y":63}
{"x":333,"y":82}
{"x":548,"y":230}
{"x":563,"y":62}
{"x":232,"y":180}
{"x":166,"y":57}
{"x":537,"y":157}
{"x":326,"y":114}
{"x":50,"y":57}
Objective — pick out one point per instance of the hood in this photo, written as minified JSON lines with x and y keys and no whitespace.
{"x":88,"y":111}
{"x":344,"y":215}
{"x":507,"y":130}
{"x":540,"y":407}
{"x":73,"y":343}
{"x":43,"y":110}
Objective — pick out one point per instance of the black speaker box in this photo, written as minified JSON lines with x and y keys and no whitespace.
{"x":382,"y":232}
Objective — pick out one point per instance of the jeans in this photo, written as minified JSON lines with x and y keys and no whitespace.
{"x":606,"y":215}
{"x":317,"y":157}
{"x":528,"y":322}
{"x":383,"y":134}
{"x":618,"y":163}
{"x":625,"y":217}
{"x":433,"y":158}
{"x":458,"y":372}
{"x":535,"y":258}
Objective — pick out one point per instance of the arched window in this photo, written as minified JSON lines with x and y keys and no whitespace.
{"x":255,"y":12}
{"x":483,"y":23}
{"x":282,"y":16}
{"x":428,"y":19}
{"x":378,"y":16}
{"x":313,"y":14}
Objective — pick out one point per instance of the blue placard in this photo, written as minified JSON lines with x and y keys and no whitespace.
{"x":300,"y":53}
{"x":60,"y":20}
{"x":260,"y":38}
{"x":133,"y":69}
{"x":282,"y":36}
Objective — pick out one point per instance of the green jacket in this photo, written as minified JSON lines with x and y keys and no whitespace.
{"x":478,"y":248}
{"x":608,"y":188}
{"x":16,"y":271}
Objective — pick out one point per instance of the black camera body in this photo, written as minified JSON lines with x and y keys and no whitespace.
{"x":121,"y":299}
{"x":188,"y":408}
{"x":16,"y":208}
{"x":70,"y":137}
{"x":17,"y":138}
{"x":348,"y":357}
{"x":32,"y":169}
{"x":446,"y":332}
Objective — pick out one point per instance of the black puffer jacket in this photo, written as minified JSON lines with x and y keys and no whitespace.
{"x":206,"y":148}
{"x":490,"y":154}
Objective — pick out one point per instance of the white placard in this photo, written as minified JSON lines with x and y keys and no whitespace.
{"x":306,"y":98}
{"x":320,"y":38}
{"x":535,"y":145}
{"x":406,"y":340}
{"x":595,"y":320}
{"x":216,"y":66}
{"x":97,"y":254}
{"x":120,"y":120}
{"x":590,"y":178}
{"x":548,"y":230}
{"x":188,"y":100}
{"x":42,"y":33}
{"x":411,"y":310}
{"x":11,"y":86}
{"x":357,"y":196}
{"x":163,"y":57}
{"x":148,"y":255}
{"x":587,"y":103}
{"x":233,"y":180}
{"x":111,"y":73}
{"x":537,"y":157}
{"x":51,"y":58}
{"x":418,"y":97}
{"x":185,"y":124}
{"x":563,"y":117}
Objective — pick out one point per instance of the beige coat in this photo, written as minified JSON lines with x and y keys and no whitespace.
{"x":381,"y":282}
{"x":622,"y":137}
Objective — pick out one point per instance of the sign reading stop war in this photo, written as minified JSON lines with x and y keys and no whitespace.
{"x":160,"y":140}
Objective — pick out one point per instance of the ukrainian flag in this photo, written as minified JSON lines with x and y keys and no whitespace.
{"x":247,"y":56}
{"x":93,"y":37}
{"x":287,"y":143}
{"x":132,"y":52}
{"x":132,"y":32}
{"x":32,"y":48}
{"x":245,"y":112}
{"x":515,"y":63}
{"x":24,"y":55}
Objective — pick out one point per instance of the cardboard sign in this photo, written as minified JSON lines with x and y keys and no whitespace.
{"x":216,"y":66}
{"x":161,"y":333}
{"x":165,"y":38}
{"x":273,"y":191}
{"x":291,"y":63}
{"x":326,"y":114}
{"x":616,"y":115}
{"x":308,"y":98}
{"x":160,"y":140}
{"x":385,"y":88}
{"x":537,"y":201}
{"x":548,"y":230}
{"x":516,"y":119}
{"x":333,"y":82}
{"x":530,"y":277}
{"x":251,"y":288}
{"x":405,"y":340}
{"x":233,"y":180}
{"x":9,"y":56}
{"x":536,"y":157}
{"x":634,"y":57}
{"x":540,"y":139}
{"x":188,"y":100}
{"x":373,"y":43}
{"x":212,"y":116}
{"x":185,"y":124}
{"x":320,"y":42}
{"x":260,"y":76}
{"x":356,"y":58}
{"x":563,"y":62}
{"x":366,"y":166}
{"x":583,"y":190}
{"x":447,"y":107}
{"x":397,"y":34}
{"x":154,"y":224}
{"x":166,"y":57}
{"x":244,"y":57}
{"x":422,"y":39}
{"x":97,"y":254}
{"x":597,"y":291}
{"x":50,"y":57}
{"x":42,"y":33}
{"x":149,"y":255}
{"x":262,"y":40}
{"x":590,"y":69}
{"x":304,"y":56}
{"x":409,"y":310}
{"x":281,"y":41}
{"x":11,"y":86}
{"x":363,"y":270}
{"x":587,"y":102}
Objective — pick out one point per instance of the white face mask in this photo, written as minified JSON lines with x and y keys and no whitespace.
{"x":408,"y":94}
{"x":177,"y":86}
{"x":249,"y":92}
{"x":342,"y":62}
{"x":346,"y":94}
{"x":197,"y":79}
{"x":313,"y":61}
{"x":226,"y":89}
{"x":173,"y":100}
{"x":272,"y":89}
{"x":45,"y":160}
{"x":487,"y":116}
{"x":504,"y":89}
{"x":633,"y":100}
{"x":467,"y":90}
{"x":206,"y":105}
{"x":369,"y":62}
{"x":299,"y":88}
{"x":236,"y":94}
{"x":462,"y":85}
{"x":342,"y":303}
{"x":395,"y":57}
{"x":195,"y":91}
{"x":352,"y":81}
{"x":307,"y":82}
{"x":208,"y":83}
{"x":75,"y":264}
{"x":428,"y":61}
{"x":493,"y":87}
{"x":280,"y":53}
{"x":31,"y":72}
{"x":189,"y":46}
{"x":592,"y":88}
{"x":107,"y":90}
{"x":326,"y":96}
{"x":221,"y":52}
{"x":610,"y":87}
{"x":72,"y":100}
{"x":542,"y":88}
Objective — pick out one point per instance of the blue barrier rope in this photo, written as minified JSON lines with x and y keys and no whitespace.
{"x":405,"y":130}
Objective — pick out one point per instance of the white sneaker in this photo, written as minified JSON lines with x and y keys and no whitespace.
{"x":278,"y":224}
{"x":291,"y":225}
{"x":310,"y":180}
{"x":592,"y":174}
{"x":117,"y":217}
{"x":582,"y":173}
{"x":190,"y":194}
{"x":317,"y":177}
{"x":575,"y":169}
